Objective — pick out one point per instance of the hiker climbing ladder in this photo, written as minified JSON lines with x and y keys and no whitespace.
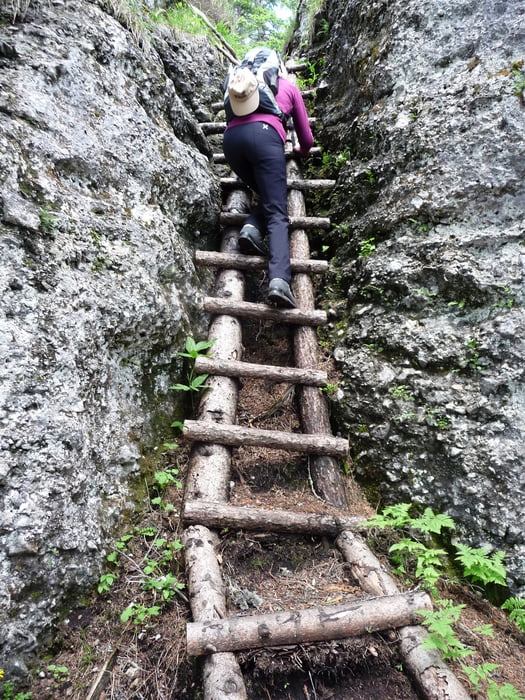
{"x":214,"y":633}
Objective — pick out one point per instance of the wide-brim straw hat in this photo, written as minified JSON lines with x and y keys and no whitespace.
{"x":243,"y":90}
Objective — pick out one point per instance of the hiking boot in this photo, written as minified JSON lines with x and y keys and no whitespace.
{"x":280,"y":294}
{"x":251,"y":241}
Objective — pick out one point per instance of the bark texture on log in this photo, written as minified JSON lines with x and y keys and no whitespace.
{"x":210,"y":128}
{"x":248,"y":309}
{"x":219,"y":157}
{"x":238,"y":261}
{"x":209,"y":476}
{"x":209,"y":466}
{"x":222,"y":678}
{"x":433,"y":677}
{"x":325,"y":471}
{"x":292,"y":183}
{"x":220,"y":515}
{"x":301,"y":626}
{"x":208,"y":603}
{"x":274,"y":439}
{"x":306,"y":222}
{"x":232,"y":368}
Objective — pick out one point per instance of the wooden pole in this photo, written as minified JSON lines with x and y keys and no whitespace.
{"x":237,"y":435}
{"x":325,"y":471}
{"x":220,"y":515}
{"x":294,"y":184}
{"x":301,"y":626}
{"x":248,"y":309}
{"x":233,"y":368}
{"x":222,"y":677}
{"x":305,"y":222}
{"x":209,"y":477}
{"x":238,"y":261}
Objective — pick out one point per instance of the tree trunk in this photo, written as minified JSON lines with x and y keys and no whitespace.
{"x":209,"y":477}
{"x":222,"y":672}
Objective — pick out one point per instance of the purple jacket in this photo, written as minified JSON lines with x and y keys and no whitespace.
{"x":291,"y":103}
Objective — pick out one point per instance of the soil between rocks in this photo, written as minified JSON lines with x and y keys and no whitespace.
{"x":263,"y":572}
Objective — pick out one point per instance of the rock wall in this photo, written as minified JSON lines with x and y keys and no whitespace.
{"x":106,"y":190}
{"x":423,"y":110}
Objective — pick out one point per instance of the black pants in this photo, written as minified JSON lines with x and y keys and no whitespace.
{"x":255,"y":152}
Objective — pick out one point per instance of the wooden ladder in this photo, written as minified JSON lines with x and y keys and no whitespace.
{"x":214,"y":633}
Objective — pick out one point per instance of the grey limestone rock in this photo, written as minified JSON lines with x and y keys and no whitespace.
{"x":106,"y":189}
{"x":428,"y":282}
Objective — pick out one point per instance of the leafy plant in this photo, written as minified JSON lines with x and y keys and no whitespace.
{"x":429,"y":567}
{"x":192,"y":351}
{"x":401,"y":392}
{"x":472,"y":361}
{"x":8,"y":691}
{"x":479,"y":566}
{"x":138,"y":613}
{"x":366,"y":248}
{"x":422,"y":228}
{"x":459,"y":304}
{"x":330,"y":388}
{"x":60,"y":673}
{"x":441,"y":633}
{"x":47,"y":221}
{"x":519,"y":82}
{"x":516,"y":608}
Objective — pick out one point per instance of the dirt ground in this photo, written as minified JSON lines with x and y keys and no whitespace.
{"x":263,"y":572}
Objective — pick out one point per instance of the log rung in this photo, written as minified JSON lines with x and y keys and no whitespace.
{"x":318,"y":624}
{"x":235,"y":368}
{"x":248,"y":309}
{"x":304,"y":222}
{"x":219,"y":158}
{"x":221,"y":515}
{"x":237,"y":261}
{"x":210,"y":128}
{"x":239,"y":435}
{"x":293,"y":184}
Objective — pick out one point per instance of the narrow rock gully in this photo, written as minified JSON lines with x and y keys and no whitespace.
{"x":319,"y":605}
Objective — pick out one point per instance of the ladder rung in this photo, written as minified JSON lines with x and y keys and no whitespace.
{"x":220,"y":515}
{"x":235,"y":368}
{"x":293,"y":184}
{"x":210,"y":128}
{"x":304,"y":222}
{"x":322,"y":623}
{"x":219,"y":158}
{"x":263,"y":312}
{"x":238,"y":261}
{"x":237,"y":435}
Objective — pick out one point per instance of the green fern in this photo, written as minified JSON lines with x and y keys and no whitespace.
{"x":479,"y":566}
{"x":516,"y":608}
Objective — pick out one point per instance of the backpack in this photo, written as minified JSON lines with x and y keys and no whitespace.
{"x":266,"y":65}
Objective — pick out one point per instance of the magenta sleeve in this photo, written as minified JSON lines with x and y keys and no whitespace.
{"x":301,"y":123}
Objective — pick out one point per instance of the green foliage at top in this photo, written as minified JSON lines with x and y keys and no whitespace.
{"x":262,"y":22}
{"x":180,"y":16}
